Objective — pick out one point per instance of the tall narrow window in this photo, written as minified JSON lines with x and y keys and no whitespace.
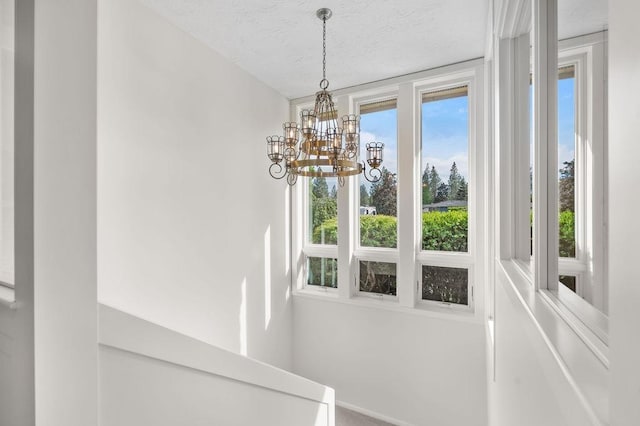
{"x":379,"y":201}
{"x":445,"y":169}
{"x":567,"y":160}
{"x":323,"y":211}
{"x":7,"y":26}
{"x":445,"y":183}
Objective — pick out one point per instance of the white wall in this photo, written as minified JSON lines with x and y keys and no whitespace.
{"x":624,"y":231}
{"x":410,"y":367}
{"x":169,"y":379}
{"x":191,"y":228}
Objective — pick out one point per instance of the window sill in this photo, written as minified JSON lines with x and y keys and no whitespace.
{"x":579,"y":353}
{"x":434,"y":310}
{"x":7,"y":297}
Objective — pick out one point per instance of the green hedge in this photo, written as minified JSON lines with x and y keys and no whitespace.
{"x":446,"y":231}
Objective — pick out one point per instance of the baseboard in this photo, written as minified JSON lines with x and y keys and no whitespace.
{"x":371,"y":414}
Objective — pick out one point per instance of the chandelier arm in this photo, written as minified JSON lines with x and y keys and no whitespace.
{"x":291,"y":179}
{"x":277,"y":171}
{"x":373,"y":175}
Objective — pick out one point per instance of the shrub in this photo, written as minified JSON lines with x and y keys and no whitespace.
{"x":445,"y":231}
{"x":378,"y":231}
{"x":567,"y":242}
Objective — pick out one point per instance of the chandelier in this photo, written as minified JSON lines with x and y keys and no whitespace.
{"x":318,"y":147}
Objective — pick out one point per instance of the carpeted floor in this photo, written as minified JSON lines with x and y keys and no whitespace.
{"x":346,"y":417}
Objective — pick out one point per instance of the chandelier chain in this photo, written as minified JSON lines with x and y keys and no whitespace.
{"x":324,"y":49}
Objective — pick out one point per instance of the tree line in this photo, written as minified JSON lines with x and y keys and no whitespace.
{"x":434,"y":190}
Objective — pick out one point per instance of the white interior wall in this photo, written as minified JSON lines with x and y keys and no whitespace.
{"x":409,"y":367}
{"x":624,"y":231}
{"x":191,"y":228}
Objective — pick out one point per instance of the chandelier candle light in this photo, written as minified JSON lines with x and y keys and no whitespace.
{"x":317,"y":147}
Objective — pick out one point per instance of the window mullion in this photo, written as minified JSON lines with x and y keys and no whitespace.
{"x":346,"y":224}
{"x":407,"y":195}
{"x":545,"y":13}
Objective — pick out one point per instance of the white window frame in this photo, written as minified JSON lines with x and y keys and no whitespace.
{"x":440,"y":258}
{"x":543,"y":268}
{"x":407,"y":255}
{"x":587,"y":54}
{"x":376,"y":254}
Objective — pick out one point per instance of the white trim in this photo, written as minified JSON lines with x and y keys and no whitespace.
{"x":560,"y":333}
{"x":435,"y":310}
{"x":370,"y":413}
{"x":545,"y":189}
{"x":8,"y":297}
{"x":123,"y":332}
{"x":514,"y":18}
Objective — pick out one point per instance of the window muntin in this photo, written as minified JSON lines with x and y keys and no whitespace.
{"x":445,"y":170}
{"x":378,"y":206}
{"x":377,"y":277}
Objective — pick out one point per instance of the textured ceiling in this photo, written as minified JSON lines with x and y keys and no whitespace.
{"x":280,"y":41}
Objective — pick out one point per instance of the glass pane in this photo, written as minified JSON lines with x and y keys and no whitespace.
{"x":566,"y":160}
{"x":379,"y":201}
{"x":322,"y":271}
{"x":569,"y":281}
{"x":7,"y":31}
{"x":445,"y":169}
{"x":378,"y":277}
{"x":323,"y":211}
{"x":445,"y":284}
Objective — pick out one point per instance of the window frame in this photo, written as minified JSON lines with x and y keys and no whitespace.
{"x":589,"y":52}
{"x":444,"y":258}
{"x":406,"y":255}
{"x":586,"y":54}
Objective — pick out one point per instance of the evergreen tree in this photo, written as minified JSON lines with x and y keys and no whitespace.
{"x":455,"y":181}
{"x":463,"y":191}
{"x":434,"y":183}
{"x":384,"y":193}
{"x":442,"y":193}
{"x":426,"y":189}
{"x":566,"y":186}
{"x":365,"y":199}
{"x":319,"y":187}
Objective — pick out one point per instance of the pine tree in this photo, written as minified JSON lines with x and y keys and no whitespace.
{"x":455,"y":181}
{"x":319,"y":187}
{"x":384,"y":193}
{"x":434,"y":183}
{"x":365,"y":199}
{"x":426,"y":189}
{"x":566,"y":186}
{"x":463,"y":191}
{"x":442,"y":192}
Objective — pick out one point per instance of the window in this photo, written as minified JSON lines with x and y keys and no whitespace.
{"x":379,"y":200}
{"x":409,"y":239}
{"x":444,"y":192}
{"x":579,"y":172}
{"x":6,"y":144}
